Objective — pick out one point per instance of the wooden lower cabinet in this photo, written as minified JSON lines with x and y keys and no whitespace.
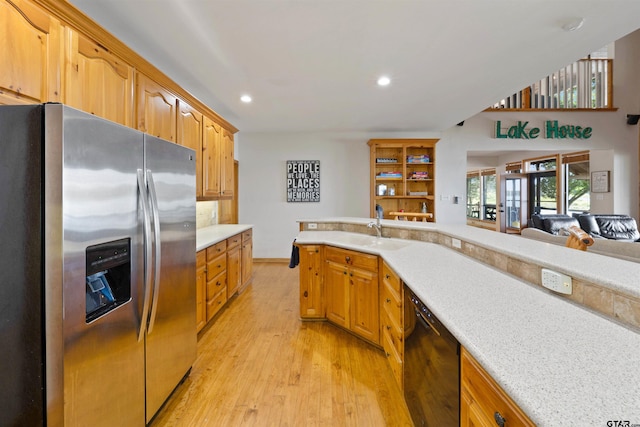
{"x":220,"y":271}
{"x":311,"y":301}
{"x":234,"y":264}
{"x":216,"y":278}
{"x":247,"y":259}
{"x":482,"y":402}
{"x":351,"y":292}
{"x":201,"y":290}
{"x":392,"y":320}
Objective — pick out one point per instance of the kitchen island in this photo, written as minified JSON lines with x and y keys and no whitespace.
{"x":560,"y":361}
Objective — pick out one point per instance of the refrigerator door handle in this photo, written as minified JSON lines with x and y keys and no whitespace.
{"x":148,"y":254}
{"x":158,"y":244}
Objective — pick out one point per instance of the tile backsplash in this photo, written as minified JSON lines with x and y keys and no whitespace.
{"x":206,"y":214}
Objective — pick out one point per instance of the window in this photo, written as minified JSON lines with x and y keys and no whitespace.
{"x":482,"y":194}
{"x":577,"y":198}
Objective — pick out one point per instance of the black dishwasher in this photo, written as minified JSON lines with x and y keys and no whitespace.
{"x":431,"y":367}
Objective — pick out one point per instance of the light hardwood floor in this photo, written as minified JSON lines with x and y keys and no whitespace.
{"x":259,"y":365}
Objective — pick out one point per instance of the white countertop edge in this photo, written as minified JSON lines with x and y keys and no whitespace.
{"x":561,"y":363}
{"x":207,"y":236}
{"x":616,"y":274}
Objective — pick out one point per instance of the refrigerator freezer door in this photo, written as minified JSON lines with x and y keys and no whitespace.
{"x":171,"y":340}
{"x":21,"y":267}
{"x":103,"y":358}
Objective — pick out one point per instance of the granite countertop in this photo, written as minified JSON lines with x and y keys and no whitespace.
{"x":562,"y":364}
{"x":213,"y":234}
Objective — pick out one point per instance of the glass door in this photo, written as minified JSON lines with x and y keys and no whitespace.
{"x":513,"y":202}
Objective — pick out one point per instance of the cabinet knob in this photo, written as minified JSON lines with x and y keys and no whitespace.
{"x":499,"y":419}
{"x":387,"y":277}
{"x":388,"y":300}
{"x":351,"y":274}
{"x":344,"y":272}
{"x":388,"y":327}
{"x":218,"y":283}
{"x":306,"y":294}
{"x":347,"y":259}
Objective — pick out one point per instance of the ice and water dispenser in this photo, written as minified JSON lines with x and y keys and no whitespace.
{"x":108,"y":283}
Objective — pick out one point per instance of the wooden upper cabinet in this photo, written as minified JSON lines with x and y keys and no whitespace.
{"x":211,"y":153}
{"x":30,"y":53}
{"x":97,"y":81}
{"x":190,"y":128}
{"x":156,"y":110}
{"x":226,"y":172}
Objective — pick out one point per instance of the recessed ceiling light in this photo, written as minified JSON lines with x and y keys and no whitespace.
{"x":573,"y":24}
{"x":384,"y":81}
{"x":246,"y":99}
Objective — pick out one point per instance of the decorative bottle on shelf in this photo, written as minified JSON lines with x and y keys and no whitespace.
{"x":424,"y":208}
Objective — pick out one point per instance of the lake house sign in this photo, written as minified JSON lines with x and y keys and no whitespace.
{"x":552,"y":130}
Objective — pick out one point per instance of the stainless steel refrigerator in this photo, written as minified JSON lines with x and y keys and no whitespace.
{"x":97,"y":269}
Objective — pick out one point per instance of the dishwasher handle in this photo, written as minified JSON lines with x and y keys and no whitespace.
{"x":426,"y":323}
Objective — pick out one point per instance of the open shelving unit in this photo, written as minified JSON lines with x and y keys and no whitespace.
{"x":403,"y":177}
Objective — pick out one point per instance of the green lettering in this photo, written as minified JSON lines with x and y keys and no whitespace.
{"x":586,"y":133}
{"x":552,"y":128}
{"x":499,"y":134}
{"x":534,"y":133}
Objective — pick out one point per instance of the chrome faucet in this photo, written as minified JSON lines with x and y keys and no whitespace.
{"x":377,"y":226}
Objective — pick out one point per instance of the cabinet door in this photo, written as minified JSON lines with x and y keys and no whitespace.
{"x":471,"y":414}
{"x":156,"y":109}
{"x":226,"y":173}
{"x":364,"y":303}
{"x":483,"y":399}
{"x":211,"y":154}
{"x":201,"y":290}
{"x":311,"y":306}
{"x":97,"y":81}
{"x":30,"y":54}
{"x":247,"y":262}
{"x":336,"y":288}
{"x":233,"y":270}
{"x":190,"y":128}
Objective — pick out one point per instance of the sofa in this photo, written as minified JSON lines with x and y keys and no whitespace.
{"x":555,"y":224}
{"x":613,"y":235}
{"x":598,"y":226}
{"x":614,"y":227}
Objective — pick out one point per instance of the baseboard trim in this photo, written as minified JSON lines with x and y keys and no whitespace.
{"x":275,"y":260}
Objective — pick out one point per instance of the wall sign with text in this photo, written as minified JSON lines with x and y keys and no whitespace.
{"x":552,"y":130}
{"x":303,"y":180}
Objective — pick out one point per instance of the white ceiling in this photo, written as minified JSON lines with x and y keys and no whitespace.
{"x":312,"y":65}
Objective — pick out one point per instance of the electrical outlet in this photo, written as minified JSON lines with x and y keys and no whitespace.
{"x":312,"y":226}
{"x":456,"y":243}
{"x":556,"y":282}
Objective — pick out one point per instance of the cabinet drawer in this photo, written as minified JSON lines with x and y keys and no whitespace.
{"x":392,"y":279}
{"x":234,"y":241}
{"x":482,"y":389}
{"x":215,"y":250}
{"x":395,"y":360}
{"x":216,"y":265}
{"x":351,"y":258}
{"x":214,"y":285}
{"x":391,"y":303}
{"x":216,"y":303}
{"x":395,"y":332}
{"x":247,"y":235}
